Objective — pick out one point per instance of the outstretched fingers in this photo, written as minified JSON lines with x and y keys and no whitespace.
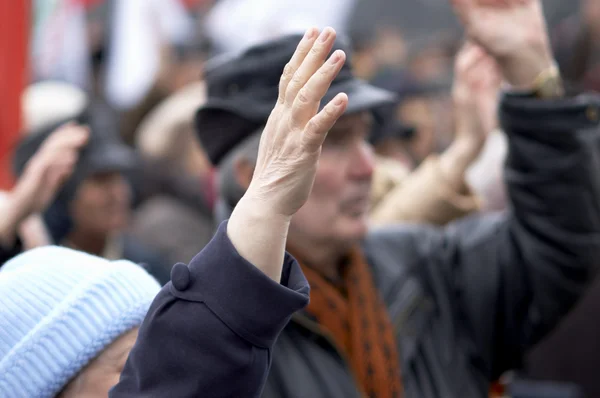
{"x":292,"y":66}
{"x":311,"y":63}
{"x":309,"y":97}
{"x":317,"y":128}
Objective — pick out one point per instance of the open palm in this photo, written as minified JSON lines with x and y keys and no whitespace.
{"x":501,"y":26}
{"x":50,"y":167}
{"x":512,"y":31}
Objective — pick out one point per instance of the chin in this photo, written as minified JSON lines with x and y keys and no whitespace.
{"x":354,"y":228}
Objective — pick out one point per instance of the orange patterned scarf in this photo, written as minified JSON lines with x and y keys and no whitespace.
{"x":360,"y":325}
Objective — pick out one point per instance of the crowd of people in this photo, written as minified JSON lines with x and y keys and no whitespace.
{"x":315,"y":216}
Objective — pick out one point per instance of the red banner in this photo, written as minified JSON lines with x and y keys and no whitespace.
{"x":14,"y":37}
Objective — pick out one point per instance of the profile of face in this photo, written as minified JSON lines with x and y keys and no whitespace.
{"x":102,"y":204}
{"x":336,"y":211}
{"x":103,"y":372}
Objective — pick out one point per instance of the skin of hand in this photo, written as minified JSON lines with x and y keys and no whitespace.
{"x":513,"y":32}
{"x":476,"y":87}
{"x":43,"y":177}
{"x":288,"y":153}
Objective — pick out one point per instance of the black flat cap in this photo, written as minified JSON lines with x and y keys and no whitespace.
{"x":243,"y":89}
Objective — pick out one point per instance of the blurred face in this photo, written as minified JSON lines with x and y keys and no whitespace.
{"x":417,"y":112}
{"x":100,"y":375}
{"x":102,"y":204}
{"x":337,"y":208}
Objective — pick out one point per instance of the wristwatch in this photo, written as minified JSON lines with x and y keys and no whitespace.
{"x":548,"y":84}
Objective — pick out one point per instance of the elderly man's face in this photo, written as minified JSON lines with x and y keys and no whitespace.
{"x":337,"y":208}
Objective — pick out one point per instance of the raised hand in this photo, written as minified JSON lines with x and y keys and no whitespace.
{"x":477,"y":80}
{"x":288,"y":153}
{"x":50,"y":167}
{"x":42,"y":179}
{"x":291,"y":141}
{"x":514,"y":32}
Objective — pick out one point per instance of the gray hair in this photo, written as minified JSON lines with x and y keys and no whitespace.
{"x":229,"y":188}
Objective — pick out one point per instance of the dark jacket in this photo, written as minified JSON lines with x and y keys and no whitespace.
{"x":571,"y":353}
{"x":210,"y":331}
{"x":468,"y":300}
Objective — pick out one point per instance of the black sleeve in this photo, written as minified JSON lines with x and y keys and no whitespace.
{"x":210,"y":330}
{"x":514,"y":276}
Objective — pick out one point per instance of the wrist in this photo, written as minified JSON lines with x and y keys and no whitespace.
{"x":259,"y":235}
{"x":258,"y":210}
{"x":13,"y":214}
{"x":465,"y":149}
{"x":523,"y":69}
{"x":18,"y":206}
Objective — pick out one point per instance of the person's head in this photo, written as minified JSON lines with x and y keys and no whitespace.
{"x":101,"y":203}
{"x":167,"y":133}
{"x":96,"y":198}
{"x":68,"y":321}
{"x":244,"y":88}
{"x":421,"y":106}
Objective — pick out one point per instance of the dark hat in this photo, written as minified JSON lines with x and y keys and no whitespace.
{"x":405,"y":86}
{"x":386,"y":125}
{"x":104,"y":152}
{"x":243,"y":89}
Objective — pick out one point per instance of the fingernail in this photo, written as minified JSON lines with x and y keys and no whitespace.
{"x":335,"y":57}
{"x":309,"y":34}
{"x":325,"y":35}
{"x":339,"y":100}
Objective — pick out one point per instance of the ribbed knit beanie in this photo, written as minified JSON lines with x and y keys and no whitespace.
{"x":59,"y":308}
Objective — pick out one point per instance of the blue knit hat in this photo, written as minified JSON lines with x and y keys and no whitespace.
{"x":59,"y":308}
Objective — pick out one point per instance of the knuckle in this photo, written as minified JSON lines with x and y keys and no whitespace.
{"x":329,"y":112}
{"x":326,"y":72}
{"x":296,"y":81}
{"x":288,"y":71}
{"x":303,"y":97}
{"x":312,"y":126}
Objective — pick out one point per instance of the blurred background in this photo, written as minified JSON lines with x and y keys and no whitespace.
{"x":131,"y":54}
{"x":133,"y":71}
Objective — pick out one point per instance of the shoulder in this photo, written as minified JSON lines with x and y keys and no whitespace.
{"x":394,"y":249}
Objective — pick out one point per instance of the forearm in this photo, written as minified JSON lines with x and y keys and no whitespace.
{"x":211,"y":330}
{"x":425,"y":196}
{"x":259,"y":237}
{"x":13,"y":211}
{"x":455,"y":161}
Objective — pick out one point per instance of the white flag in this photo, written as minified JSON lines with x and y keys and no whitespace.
{"x":60,"y":48}
{"x":139,"y":27}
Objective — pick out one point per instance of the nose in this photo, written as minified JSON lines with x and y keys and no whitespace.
{"x":361,"y":162}
{"x":117,"y":187}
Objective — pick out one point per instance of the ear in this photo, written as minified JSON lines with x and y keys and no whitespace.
{"x":243,"y":170}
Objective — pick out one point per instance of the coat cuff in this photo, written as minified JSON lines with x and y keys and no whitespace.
{"x":244,"y":298}
{"x":549,"y":121}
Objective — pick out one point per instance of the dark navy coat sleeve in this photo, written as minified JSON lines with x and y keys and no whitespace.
{"x":210,"y":331}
